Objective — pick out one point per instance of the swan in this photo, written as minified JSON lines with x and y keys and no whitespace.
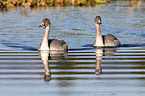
{"x":51,"y":44}
{"x":105,"y":40}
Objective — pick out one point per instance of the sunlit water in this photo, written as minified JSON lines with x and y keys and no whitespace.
{"x":84,"y":70}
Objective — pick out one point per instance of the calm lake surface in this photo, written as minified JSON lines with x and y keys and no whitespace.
{"x":84,"y":70}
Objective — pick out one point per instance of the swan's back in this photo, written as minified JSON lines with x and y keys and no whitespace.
{"x":110,"y":40}
{"x":57,"y":44}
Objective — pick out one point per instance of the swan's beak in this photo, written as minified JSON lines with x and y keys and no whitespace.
{"x":99,"y":22}
{"x":42,"y":24}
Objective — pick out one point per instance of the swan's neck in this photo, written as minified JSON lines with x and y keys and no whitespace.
{"x":44,"y":44}
{"x":99,"y":40}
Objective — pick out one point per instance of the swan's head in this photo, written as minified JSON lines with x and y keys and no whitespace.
{"x":98,"y":20}
{"x":46,"y":22}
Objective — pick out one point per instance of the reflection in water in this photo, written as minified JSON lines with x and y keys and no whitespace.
{"x":50,"y":55}
{"x":44,"y":56}
{"x":99,"y":54}
{"x":125,"y":67}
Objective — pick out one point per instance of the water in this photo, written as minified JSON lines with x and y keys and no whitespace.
{"x":84,"y":70}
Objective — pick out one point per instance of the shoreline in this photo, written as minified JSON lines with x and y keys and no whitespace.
{"x":49,"y":3}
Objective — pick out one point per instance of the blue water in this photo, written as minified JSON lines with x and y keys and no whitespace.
{"x":19,"y":26}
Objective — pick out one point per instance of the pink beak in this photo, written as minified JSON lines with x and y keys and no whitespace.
{"x":42,"y":24}
{"x":99,"y":21}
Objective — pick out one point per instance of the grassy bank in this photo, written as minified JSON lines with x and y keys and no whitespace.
{"x":45,"y":3}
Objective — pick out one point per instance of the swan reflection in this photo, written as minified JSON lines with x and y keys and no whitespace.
{"x":50,"y":55}
{"x":100,"y":52}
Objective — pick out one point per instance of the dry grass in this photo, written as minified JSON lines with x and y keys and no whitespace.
{"x":45,"y":3}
